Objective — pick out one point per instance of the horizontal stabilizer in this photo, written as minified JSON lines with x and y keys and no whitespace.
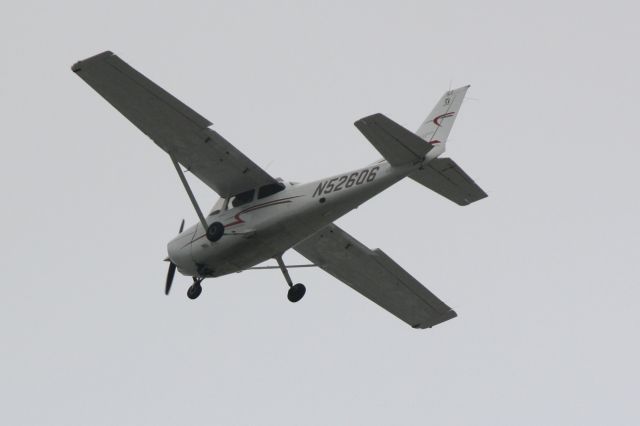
{"x":445,"y":177}
{"x":397,"y":145}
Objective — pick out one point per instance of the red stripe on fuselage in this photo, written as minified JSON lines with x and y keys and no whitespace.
{"x":239,"y":220}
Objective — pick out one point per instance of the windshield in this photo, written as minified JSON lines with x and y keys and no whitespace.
{"x":269,"y":189}
{"x":219,"y":205}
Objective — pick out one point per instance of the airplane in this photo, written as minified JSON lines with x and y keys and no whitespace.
{"x":258,"y":217}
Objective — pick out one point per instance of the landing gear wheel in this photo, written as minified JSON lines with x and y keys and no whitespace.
{"x":215,"y":231}
{"x":296,"y":293}
{"x":194,"y":291}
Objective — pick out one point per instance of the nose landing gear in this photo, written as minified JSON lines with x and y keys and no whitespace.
{"x":195,"y":289}
{"x":297,"y":291}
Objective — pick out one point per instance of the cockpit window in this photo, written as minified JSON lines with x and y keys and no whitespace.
{"x":241,"y":199}
{"x":270,"y":189}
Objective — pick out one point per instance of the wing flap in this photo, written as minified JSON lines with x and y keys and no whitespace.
{"x":172,"y":125}
{"x":374,"y":275}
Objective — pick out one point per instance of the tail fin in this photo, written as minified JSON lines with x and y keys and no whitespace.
{"x":443,"y":175}
{"x":400,"y":146}
{"x":437,"y":126}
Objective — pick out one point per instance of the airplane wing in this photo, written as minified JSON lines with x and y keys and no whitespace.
{"x":374,"y":275}
{"x":173,"y":126}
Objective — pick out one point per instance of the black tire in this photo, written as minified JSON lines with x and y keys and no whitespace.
{"x":296,"y":293}
{"x":194,"y":291}
{"x":215,"y":231}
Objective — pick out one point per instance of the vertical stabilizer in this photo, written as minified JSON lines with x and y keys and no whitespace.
{"x":437,"y":126}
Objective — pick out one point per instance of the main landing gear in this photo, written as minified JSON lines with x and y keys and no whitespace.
{"x":195,"y":289}
{"x":215,"y":231}
{"x":297,"y":291}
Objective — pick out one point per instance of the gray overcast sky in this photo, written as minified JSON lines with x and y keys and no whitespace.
{"x":543,"y":273}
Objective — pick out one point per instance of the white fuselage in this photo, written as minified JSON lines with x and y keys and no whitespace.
{"x":265,"y":228}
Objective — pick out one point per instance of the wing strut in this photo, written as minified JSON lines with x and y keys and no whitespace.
{"x":310,"y":265}
{"x":189,"y":192}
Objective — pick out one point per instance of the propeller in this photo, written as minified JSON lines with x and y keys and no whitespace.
{"x":172,"y":268}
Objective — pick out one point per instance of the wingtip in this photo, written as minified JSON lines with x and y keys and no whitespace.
{"x":77,"y":67}
{"x":446,"y":316}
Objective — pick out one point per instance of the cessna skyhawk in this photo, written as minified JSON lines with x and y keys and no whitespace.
{"x":259,"y":217}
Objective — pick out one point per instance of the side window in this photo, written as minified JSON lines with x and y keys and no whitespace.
{"x":270,"y":189}
{"x":241,"y":199}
